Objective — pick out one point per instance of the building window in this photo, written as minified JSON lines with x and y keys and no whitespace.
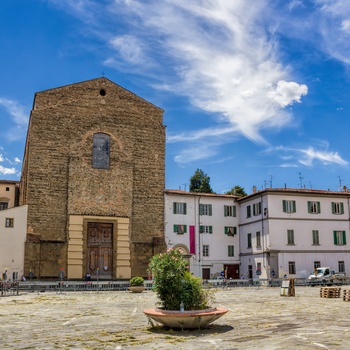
{"x":249,"y":238}
{"x":4,"y":205}
{"x":231,"y":250}
{"x":230,"y":230}
{"x":339,"y":237}
{"x":341,"y":266}
{"x":249,"y":213}
{"x":257,"y":209}
{"x":317,"y":264}
{"x":179,"y":208}
{"x":258,"y":266}
{"x":205,"y":229}
{"x":180,"y":229}
{"x":315,"y":237}
{"x":205,"y":250}
{"x":205,"y":209}
{"x":314,"y":207}
{"x":337,"y":208}
{"x":289,"y":206}
{"x":100,"y":151}
{"x":291,"y":265}
{"x":9,"y":222}
{"x":230,"y":210}
{"x":258,"y":239}
{"x":290,"y":237}
{"x":7,"y":189}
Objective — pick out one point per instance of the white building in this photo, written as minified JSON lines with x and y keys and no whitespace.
{"x":205,"y":227}
{"x":291,"y":231}
{"x":13,"y":230}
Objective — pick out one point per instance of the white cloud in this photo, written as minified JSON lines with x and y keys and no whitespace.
{"x":287,"y":93}
{"x":17,"y":160}
{"x":7,"y":171}
{"x":129,"y":48}
{"x":310,"y":155}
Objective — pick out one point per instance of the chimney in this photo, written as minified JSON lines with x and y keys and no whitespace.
{"x":254,"y":189}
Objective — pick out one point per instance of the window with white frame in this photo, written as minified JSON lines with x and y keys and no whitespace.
{"x":205,"y":229}
{"x":257,"y":209}
{"x":230,"y":230}
{"x":230,"y":210}
{"x":258,"y":239}
{"x":249,"y":239}
{"x":337,"y":208}
{"x":341,"y":266}
{"x":290,"y":237}
{"x":180,"y":229}
{"x":205,"y":250}
{"x":315,"y":237}
{"x":313,"y":207}
{"x":205,"y":209}
{"x":179,"y":208}
{"x":339,"y":237}
{"x":289,"y":206}
{"x":231,"y":250}
{"x":9,"y":222}
{"x":291,"y":267}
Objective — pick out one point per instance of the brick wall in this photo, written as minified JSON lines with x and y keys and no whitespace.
{"x":58,"y":178}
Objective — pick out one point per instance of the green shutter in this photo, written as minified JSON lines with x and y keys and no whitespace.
{"x":174,"y":207}
{"x":185,"y":228}
{"x":201,"y":229}
{"x":234,"y":211}
{"x":309,"y":207}
{"x":284,"y":206}
{"x":210,"y":209}
{"x":333,"y":208}
{"x":175,"y":228}
{"x":344,"y":237}
{"x":318,"y":207}
{"x":234,"y":230}
{"x":225,"y":210}
{"x":201,"y":209}
{"x":294,"y":207}
{"x":185,"y":208}
{"x":226,"y":230}
{"x":210,"y":229}
{"x":335,"y":237}
{"x":341,"y":208}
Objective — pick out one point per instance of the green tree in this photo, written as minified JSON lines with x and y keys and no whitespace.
{"x":200,"y":182}
{"x":237,"y":191}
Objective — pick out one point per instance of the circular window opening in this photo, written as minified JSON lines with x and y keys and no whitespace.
{"x":102,"y":92}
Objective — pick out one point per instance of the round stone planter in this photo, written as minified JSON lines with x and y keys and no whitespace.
{"x":186,"y":319}
{"x":136,"y":289}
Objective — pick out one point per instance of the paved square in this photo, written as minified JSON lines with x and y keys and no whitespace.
{"x":258,"y":319}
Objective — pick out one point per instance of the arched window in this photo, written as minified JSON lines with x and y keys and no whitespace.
{"x":100,"y":152}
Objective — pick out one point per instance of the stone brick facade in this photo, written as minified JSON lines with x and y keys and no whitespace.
{"x":58,"y":179}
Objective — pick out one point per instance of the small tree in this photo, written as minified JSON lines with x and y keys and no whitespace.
{"x":200,"y":182}
{"x":237,"y":191}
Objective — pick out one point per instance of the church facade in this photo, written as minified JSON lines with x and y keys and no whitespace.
{"x":93,"y":179}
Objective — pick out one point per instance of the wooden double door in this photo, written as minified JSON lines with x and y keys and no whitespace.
{"x":100,"y":250}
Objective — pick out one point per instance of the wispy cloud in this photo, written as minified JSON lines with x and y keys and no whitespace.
{"x":308,"y":156}
{"x":7,"y":171}
{"x":19,"y":116}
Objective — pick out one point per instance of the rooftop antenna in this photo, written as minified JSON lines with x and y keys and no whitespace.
{"x":340,"y":183}
{"x":270,"y":181}
{"x":310,"y":184}
{"x":301,"y":180}
{"x":185,"y":187}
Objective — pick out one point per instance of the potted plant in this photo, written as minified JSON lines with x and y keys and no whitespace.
{"x":184,"y":303}
{"x":137,"y":284}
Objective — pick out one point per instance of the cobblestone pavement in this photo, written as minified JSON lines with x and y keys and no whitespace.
{"x":258,"y":318}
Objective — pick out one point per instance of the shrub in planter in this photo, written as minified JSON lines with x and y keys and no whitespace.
{"x":137,"y":281}
{"x":174,"y":284}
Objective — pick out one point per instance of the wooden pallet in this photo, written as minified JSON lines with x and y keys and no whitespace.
{"x":346,"y":295}
{"x":330,"y":292}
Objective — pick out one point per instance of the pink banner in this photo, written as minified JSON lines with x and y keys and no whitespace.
{"x":192,"y":240}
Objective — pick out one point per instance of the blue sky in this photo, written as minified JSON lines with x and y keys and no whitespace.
{"x":255,"y":92}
